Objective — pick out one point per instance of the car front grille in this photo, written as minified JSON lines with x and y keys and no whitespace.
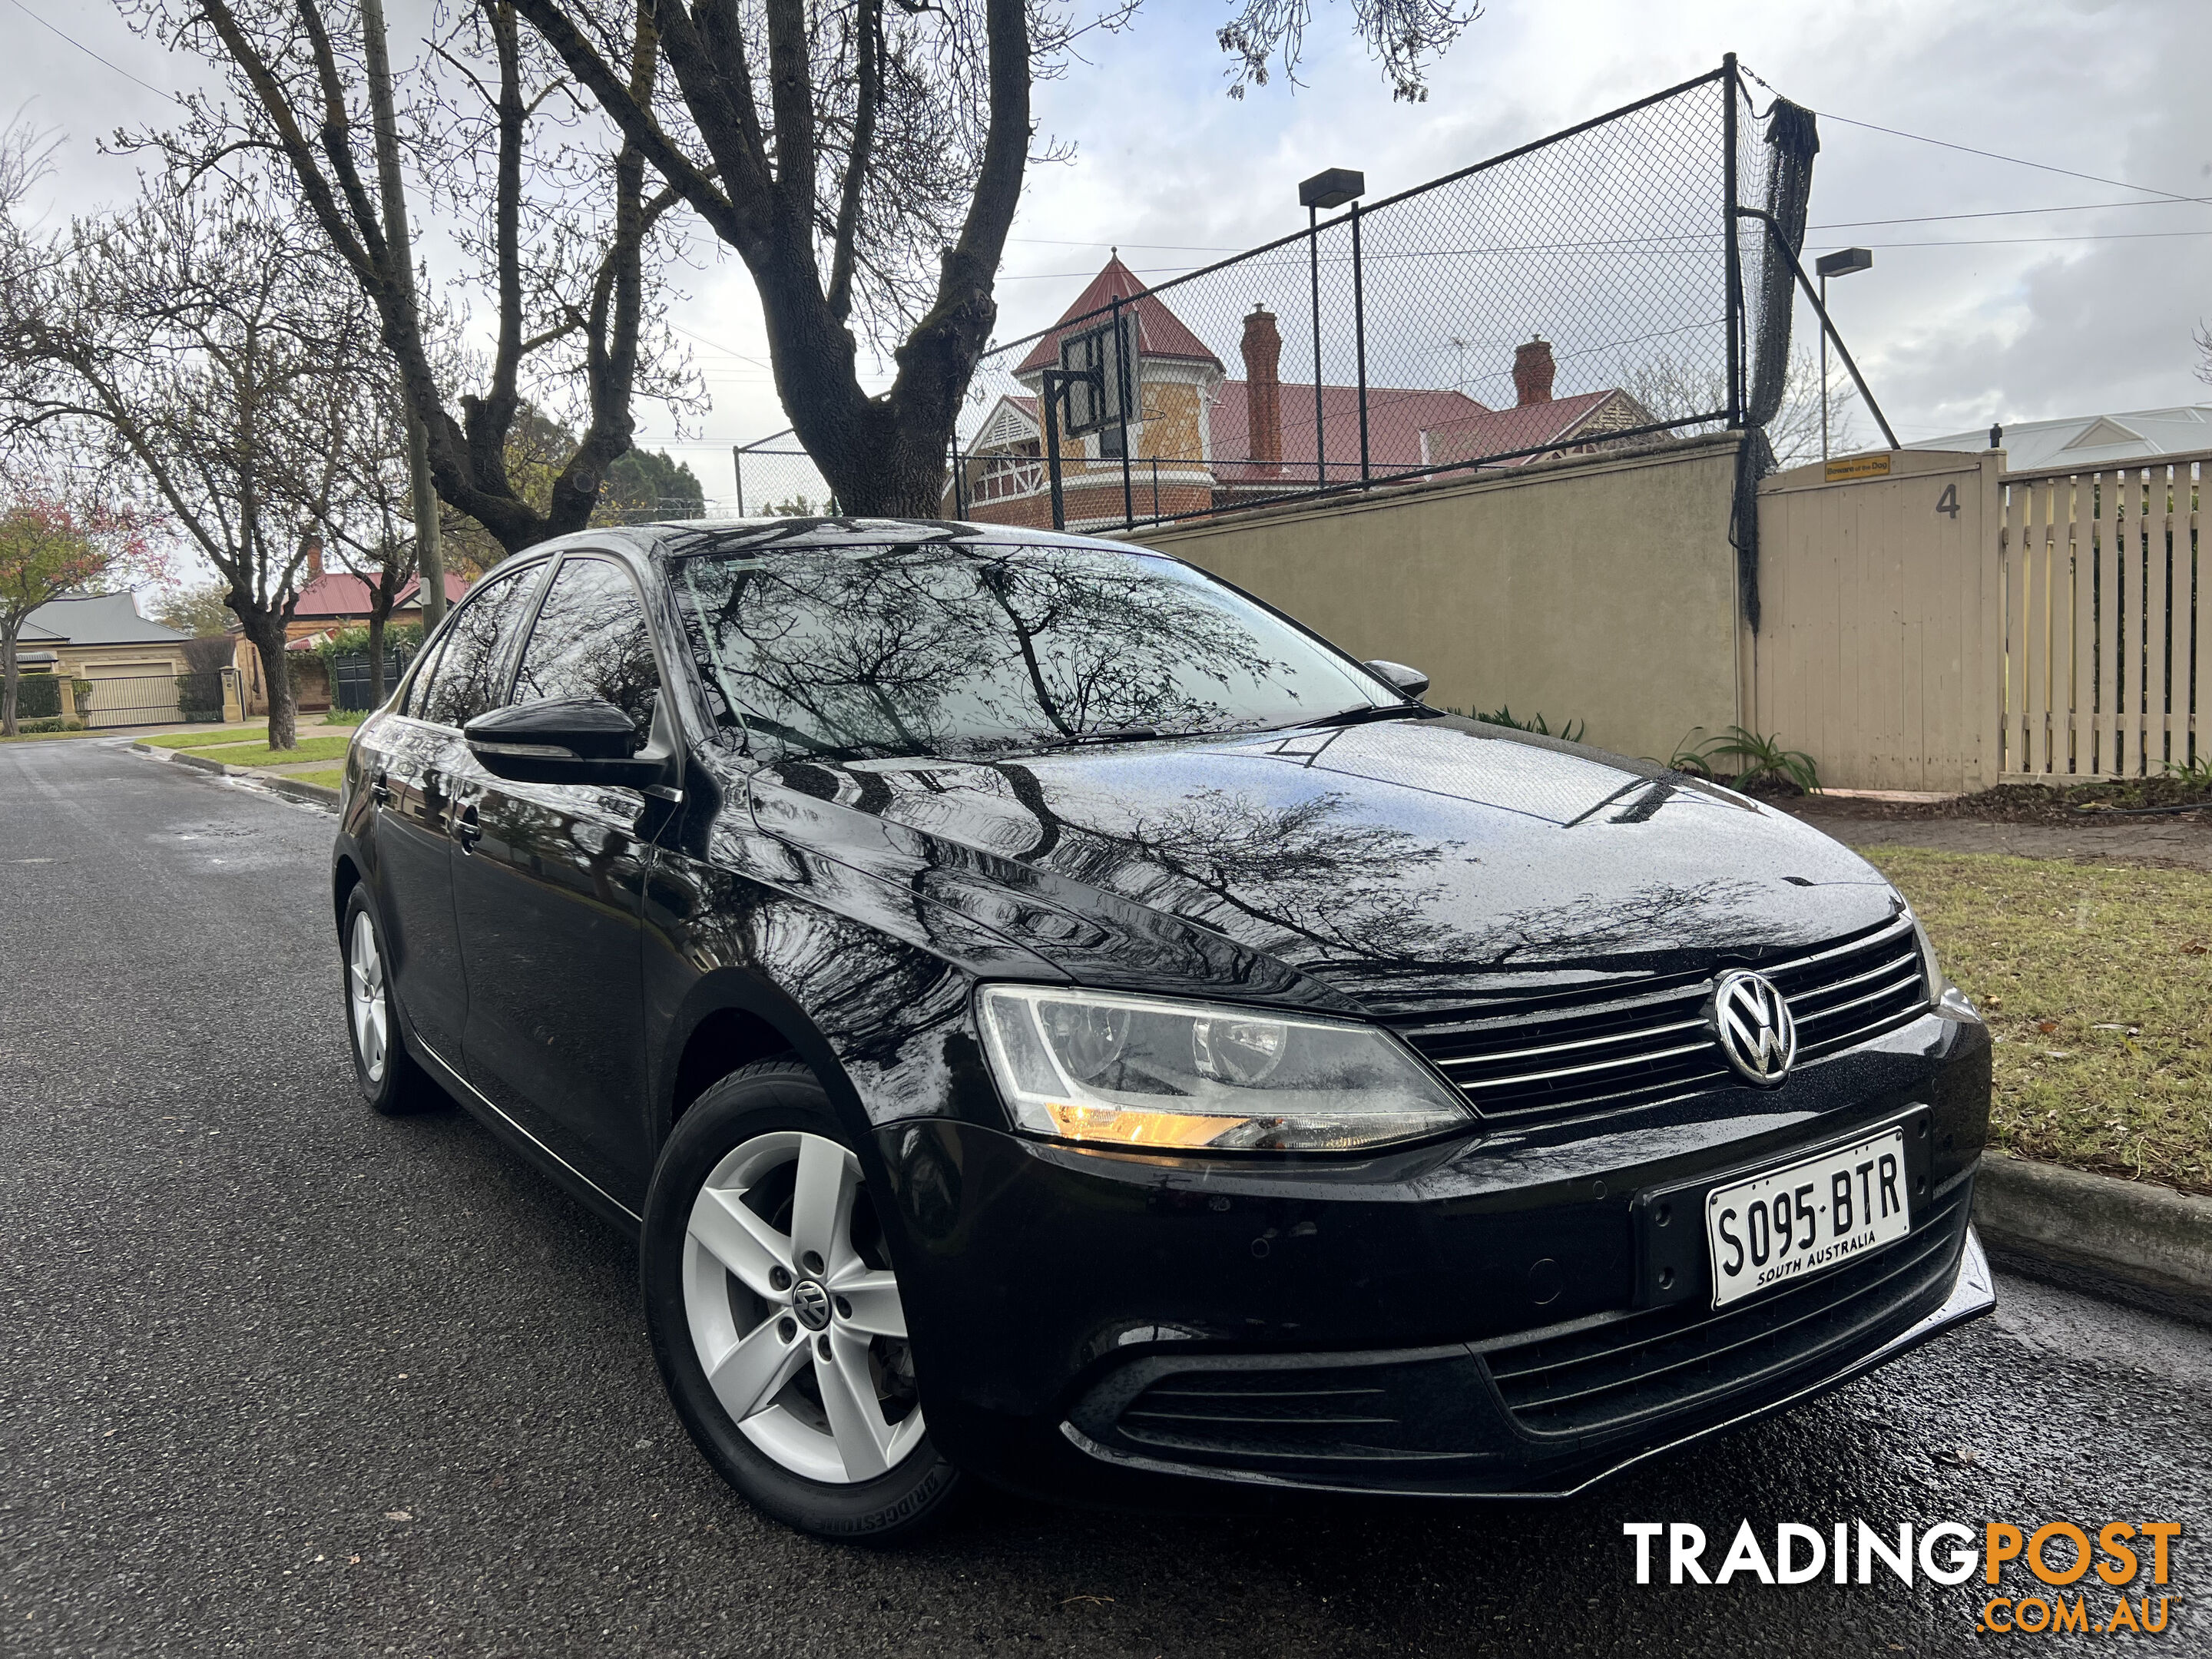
{"x":1550,"y":1051}
{"x":1610,"y":1373}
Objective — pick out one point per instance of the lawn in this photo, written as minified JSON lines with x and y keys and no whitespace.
{"x":260,"y":754}
{"x":330,"y":777}
{"x":2097,"y":983}
{"x":207,"y":734}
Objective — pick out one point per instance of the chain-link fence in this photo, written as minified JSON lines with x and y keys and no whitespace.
{"x":1614,"y":284}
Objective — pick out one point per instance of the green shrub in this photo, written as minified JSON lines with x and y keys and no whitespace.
{"x":1760,"y":759}
{"x":1502,"y":715}
{"x":37,"y":696}
{"x":353,"y":641}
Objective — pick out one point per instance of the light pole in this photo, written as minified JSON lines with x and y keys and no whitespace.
{"x":1323,"y":193}
{"x":1842,"y":263}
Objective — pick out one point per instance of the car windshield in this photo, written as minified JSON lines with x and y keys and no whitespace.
{"x":851,"y":652}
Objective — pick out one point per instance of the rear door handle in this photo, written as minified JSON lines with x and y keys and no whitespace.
{"x":467,"y":831}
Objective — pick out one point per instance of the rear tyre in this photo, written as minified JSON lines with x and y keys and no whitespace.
{"x":775,"y":1315}
{"x":389,"y":1079}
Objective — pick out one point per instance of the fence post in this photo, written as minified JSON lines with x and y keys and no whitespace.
{"x":1052,"y":382}
{"x":1121,"y":405}
{"x":1313,"y":260}
{"x":1729,"y":92}
{"x":1359,"y":341}
{"x":959,"y":479}
{"x":738,"y":465}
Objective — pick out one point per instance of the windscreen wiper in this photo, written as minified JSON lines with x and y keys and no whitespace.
{"x":1365,"y":711}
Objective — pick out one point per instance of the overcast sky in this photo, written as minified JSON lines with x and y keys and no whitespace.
{"x":2084,"y":303}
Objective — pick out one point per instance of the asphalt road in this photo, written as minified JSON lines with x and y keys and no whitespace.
{"x":280,"y":1378}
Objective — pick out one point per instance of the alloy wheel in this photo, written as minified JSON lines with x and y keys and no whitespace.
{"x":794,"y":1311}
{"x":367,"y":999}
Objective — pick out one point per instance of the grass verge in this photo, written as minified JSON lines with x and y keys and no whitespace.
{"x":2097,"y":983}
{"x":47,"y":737}
{"x":260,"y":754}
{"x":207,"y":735}
{"x":330,"y":777}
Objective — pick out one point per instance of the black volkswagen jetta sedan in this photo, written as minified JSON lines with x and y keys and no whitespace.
{"x":1048,"y":1018}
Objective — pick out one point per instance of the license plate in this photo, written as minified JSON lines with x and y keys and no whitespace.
{"x":1807,"y":1217}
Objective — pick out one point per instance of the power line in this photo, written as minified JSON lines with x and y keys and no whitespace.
{"x":1994,"y":213}
{"x":688,"y":335}
{"x":2017,"y":161}
{"x":2009,"y":241}
{"x":94,"y":56}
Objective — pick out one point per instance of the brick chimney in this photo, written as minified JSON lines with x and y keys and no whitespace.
{"x":1263,"y":354}
{"x":1532,"y":371}
{"x":314,"y":548}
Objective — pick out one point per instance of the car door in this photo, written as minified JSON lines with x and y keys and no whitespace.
{"x":548,"y":884}
{"x":411,"y":782}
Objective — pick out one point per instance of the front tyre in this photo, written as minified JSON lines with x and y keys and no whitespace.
{"x":389,"y":1079}
{"x":776,"y":1317}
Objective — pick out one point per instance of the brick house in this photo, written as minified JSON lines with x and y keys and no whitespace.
{"x":1204,"y":440}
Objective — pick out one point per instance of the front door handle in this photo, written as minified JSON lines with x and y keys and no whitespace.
{"x":467,"y":830}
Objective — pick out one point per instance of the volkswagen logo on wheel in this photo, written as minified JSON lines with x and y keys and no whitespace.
{"x":811,"y":1303}
{"x":1752,"y":1023}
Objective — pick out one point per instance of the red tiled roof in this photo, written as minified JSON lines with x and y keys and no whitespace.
{"x":456,"y":589}
{"x":334,"y":593}
{"x":1160,"y":332}
{"x":339,"y":594}
{"x":1502,"y":431}
{"x":1396,"y":416}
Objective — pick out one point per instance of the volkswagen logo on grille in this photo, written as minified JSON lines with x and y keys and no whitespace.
{"x":1751,"y":1023}
{"x":811,"y":1303}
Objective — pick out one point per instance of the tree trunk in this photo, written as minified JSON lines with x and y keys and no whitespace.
{"x":267,"y":633}
{"x":375,"y":660}
{"x":9,"y":674}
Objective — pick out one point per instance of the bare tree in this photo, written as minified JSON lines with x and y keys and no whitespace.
{"x":370,"y":524}
{"x":223,"y":359}
{"x":1673,"y":390}
{"x":553,"y":224}
{"x":864,"y":161}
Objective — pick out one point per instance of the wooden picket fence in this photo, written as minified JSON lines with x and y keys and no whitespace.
{"x":2107,"y":608}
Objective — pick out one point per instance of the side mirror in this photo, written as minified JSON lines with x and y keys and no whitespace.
{"x":1411,"y":681}
{"x":564,"y":740}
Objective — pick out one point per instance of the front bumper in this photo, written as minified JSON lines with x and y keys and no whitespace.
{"x":1451,"y":1389}
{"x":1473,"y":1319}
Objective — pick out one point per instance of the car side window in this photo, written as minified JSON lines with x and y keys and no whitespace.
{"x":591,"y":640}
{"x":465,"y":681}
{"x":418,"y":685}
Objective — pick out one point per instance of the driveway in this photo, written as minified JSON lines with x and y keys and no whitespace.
{"x":280,"y":1378}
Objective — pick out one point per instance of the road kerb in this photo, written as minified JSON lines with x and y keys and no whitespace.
{"x":317,"y":794}
{"x":2127,"y":1235}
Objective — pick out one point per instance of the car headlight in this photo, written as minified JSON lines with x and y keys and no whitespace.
{"x":1131,"y":1071}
